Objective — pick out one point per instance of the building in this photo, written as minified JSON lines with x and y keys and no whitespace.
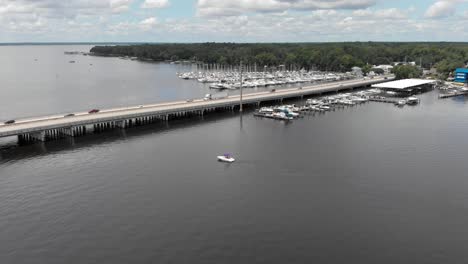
{"x":461,"y":75}
{"x":407,"y":86}
{"x":411,"y":63}
{"x":386,"y":68}
{"x":432,"y":71}
{"x":357,"y":71}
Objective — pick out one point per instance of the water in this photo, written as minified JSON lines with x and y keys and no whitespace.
{"x":367,"y":184}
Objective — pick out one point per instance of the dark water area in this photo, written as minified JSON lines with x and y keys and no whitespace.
{"x":366,"y":184}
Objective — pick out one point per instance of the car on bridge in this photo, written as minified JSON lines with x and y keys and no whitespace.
{"x":93,"y":111}
{"x":9,"y":122}
{"x":69,"y":115}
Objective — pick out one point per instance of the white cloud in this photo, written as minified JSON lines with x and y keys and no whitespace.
{"x":148,"y":24}
{"x":155,"y":4}
{"x":237,"y":7}
{"x":382,"y":14}
{"x":61,"y":9}
{"x":443,"y":8}
{"x":56,"y":16}
{"x":118,"y":6}
{"x":240,"y":21}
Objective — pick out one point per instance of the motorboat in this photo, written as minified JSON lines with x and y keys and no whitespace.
{"x":412,"y":100}
{"x":312,"y":102}
{"x":226,"y":158}
{"x":286,"y":110}
{"x":325,"y":107}
{"x":401,"y":103}
{"x":266,"y":110}
{"x":281,"y":116}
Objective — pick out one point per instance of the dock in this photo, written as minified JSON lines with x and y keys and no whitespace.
{"x":453,"y":94}
{"x":384,"y":100}
{"x":58,"y":126}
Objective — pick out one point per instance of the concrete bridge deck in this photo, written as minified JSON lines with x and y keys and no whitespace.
{"x":51,"y":127}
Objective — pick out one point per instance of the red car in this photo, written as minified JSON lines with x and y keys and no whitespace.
{"x":93,"y":111}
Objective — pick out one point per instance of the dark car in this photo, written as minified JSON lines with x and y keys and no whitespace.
{"x":93,"y":111}
{"x":9,"y":122}
{"x":69,"y":115}
{"x":273,"y":90}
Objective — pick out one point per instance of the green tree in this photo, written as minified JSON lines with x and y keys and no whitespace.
{"x":366,"y":69}
{"x":266,"y":58}
{"x":406,"y":71}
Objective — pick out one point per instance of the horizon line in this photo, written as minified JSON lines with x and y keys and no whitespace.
{"x":202,"y":42}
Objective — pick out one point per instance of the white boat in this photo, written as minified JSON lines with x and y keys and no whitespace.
{"x":412,"y":100}
{"x":324,"y":107}
{"x":226,"y":158}
{"x":312,"y":102}
{"x":266,"y":110}
{"x":281,"y":116}
{"x":401,"y":103}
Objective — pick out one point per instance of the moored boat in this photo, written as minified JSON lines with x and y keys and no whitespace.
{"x":412,"y":100}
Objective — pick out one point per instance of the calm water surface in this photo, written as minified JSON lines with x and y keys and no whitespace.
{"x":367,"y":184}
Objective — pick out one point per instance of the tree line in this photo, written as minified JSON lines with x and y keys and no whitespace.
{"x":342,"y":57}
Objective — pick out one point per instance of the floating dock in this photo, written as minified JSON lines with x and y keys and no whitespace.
{"x":448,"y":95}
{"x":384,"y":100}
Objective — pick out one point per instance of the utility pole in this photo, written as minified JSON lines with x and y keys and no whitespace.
{"x":241,"y":68}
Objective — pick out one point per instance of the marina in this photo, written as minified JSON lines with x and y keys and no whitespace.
{"x":329,"y":103}
{"x":230,"y":80}
{"x":453,"y":91}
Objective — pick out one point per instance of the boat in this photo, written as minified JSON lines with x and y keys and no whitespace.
{"x":281,"y":116}
{"x":226,"y":158}
{"x":312,"y":102}
{"x":412,"y":100}
{"x":401,"y":103}
{"x":287,"y":110}
{"x":268,"y":110}
{"x":325,"y":107}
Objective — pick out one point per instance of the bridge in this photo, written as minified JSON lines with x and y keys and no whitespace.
{"x":54,"y":127}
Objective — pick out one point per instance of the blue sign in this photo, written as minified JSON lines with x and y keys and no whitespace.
{"x":461,"y":75}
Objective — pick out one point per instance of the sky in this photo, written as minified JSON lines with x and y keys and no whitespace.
{"x":232,"y":20}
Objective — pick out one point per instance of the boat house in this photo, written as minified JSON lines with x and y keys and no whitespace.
{"x":407,"y":86}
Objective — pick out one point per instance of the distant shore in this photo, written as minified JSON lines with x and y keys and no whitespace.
{"x":337,"y":57}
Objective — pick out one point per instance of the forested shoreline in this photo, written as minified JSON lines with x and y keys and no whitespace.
{"x":445,"y":56}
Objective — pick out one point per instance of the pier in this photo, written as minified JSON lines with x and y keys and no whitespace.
{"x":383,"y":99}
{"x":452,"y":94}
{"x":54,"y":127}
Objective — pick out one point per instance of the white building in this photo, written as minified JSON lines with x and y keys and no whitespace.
{"x":386,"y":68}
{"x":357,"y":71}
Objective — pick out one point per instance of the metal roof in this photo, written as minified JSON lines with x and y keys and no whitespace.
{"x":462,"y":70}
{"x":403,"y":84}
